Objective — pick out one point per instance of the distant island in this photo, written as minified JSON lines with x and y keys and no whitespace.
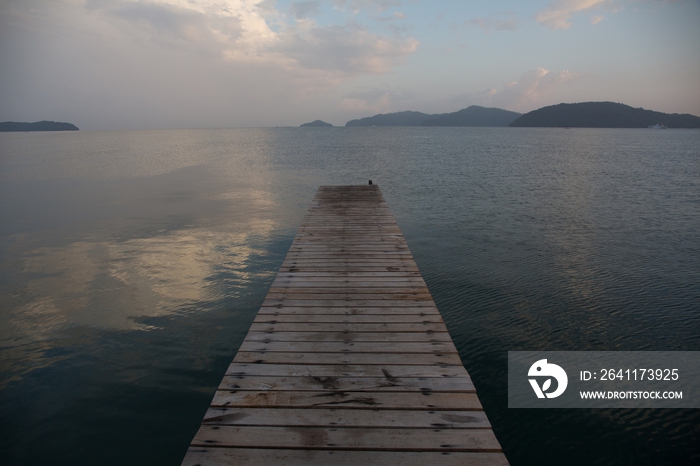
{"x":316,"y":124}
{"x":13,"y":126}
{"x":603,"y":115}
{"x":470,"y":116}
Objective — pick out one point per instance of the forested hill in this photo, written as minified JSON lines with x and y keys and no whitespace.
{"x":603,"y":115}
{"x":474,"y":116}
{"x":10,"y":126}
{"x":470,"y":116}
{"x":407,"y":118}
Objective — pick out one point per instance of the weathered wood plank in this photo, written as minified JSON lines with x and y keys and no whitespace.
{"x":339,"y":279}
{"x":348,"y":319}
{"x":348,"y":337}
{"x":262,"y":357}
{"x":347,"y":370}
{"x":347,"y":274}
{"x":293,"y":291}
{"x":336,"y":269}
{"x":341,"y":417}
{"x":350,"y":327}
{"x":348,"y":438}
{"x":348,"y":347}
{"x":350,"y":228}
{"x":335,"y":282}
{"x":355,"y":302}
{"x":204,"y":456}
{"x":347,"y":311}
{"x":325,"y":248}
{"x":369,"y":259}
{"x":428,"y":400}
{"x":355,"y":384}
{"x":349,"y":239}
{"x":350,"y":254}
{"x":340,"y":290}
{"x":333,"y":293}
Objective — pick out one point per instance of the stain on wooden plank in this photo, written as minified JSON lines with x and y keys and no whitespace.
{"x":414,"y":401}
{"x":316,"y":382}
{"x":343,"y":417}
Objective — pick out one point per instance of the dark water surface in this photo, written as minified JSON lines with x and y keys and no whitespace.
{"x":132,"y":264}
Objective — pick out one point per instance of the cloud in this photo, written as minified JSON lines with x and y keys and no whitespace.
{"x":499,"y":22}
{"x":377,"y":93}
{"x":556,"y":15}
{"x":372,"y":101}
{"x":350,"y":50}
{"x":250,"y":32}
{"x":174,"y":23}
{"x":157,"y":275}
{"x":351,"y":105}
{"x":527,"y":93}
{"x":302,"y":10}
{"x":372,"y":5}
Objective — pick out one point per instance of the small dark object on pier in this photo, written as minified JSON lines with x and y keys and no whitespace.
{"x":370,"y":181}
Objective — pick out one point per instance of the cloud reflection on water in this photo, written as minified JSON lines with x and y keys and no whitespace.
{"x":115,"y":283}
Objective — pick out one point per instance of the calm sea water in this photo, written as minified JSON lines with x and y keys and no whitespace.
{"x":132,"y":264}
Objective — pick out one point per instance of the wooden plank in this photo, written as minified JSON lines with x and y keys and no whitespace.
{"x":325,"y":288}
{"x":402,"y":289}
{"x":342,"y":417}
{"x":357,"y":256}
{"x":356,"y":229}
{"x":348,"y":301}
{"x":348,"y":319}
{"x":262,"y":357}
{"x":334,"y":282}
{"x":334,"y":245}
{"x":350,"y":240}
{"x":348,"y":337}
{"x":347,"y":347}
{"x":347,"y":370}
{"x":431,"y":400}
{"x":339,"y":268}
{"x":339,"y":293}
{"x":348,"y":438}
{"x":349,"y":328}
{"x":206,"y":456}
{"x":351,"y":274}
{"x":350,"y":257}
{"x":348,"y":360}
{"x":323,"y":276}
{"x":348,"y":311}
{"x":354,"y":384}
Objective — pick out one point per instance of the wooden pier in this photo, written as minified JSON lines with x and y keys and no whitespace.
{"x":348,"y":361}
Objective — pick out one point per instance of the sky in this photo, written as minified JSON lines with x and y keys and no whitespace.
{"x":159,"y":64}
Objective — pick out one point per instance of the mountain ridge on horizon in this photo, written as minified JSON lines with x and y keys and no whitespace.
{"x":44,"y":125}
{"x":602,"y":115}
{"x":573,"y":115}
{"x":474,"y":115}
